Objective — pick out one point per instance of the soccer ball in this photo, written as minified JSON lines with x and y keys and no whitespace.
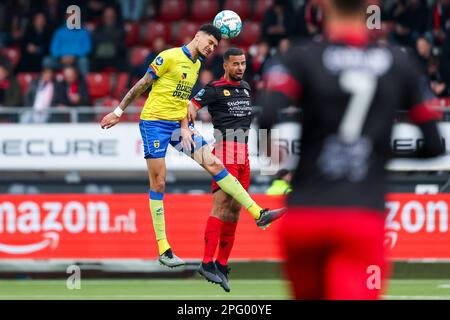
{"x":229,"y":23}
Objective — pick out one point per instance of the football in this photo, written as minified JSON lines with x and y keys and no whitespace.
{"x":229,"y":23}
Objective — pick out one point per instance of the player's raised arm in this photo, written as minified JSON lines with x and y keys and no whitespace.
{"x":112,"y":118}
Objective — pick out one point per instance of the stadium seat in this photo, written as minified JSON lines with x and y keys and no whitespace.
{"x":172,"y":10}
{"x":121,"y":85}
{"x":204,"y":10}
{"x":138,"y":55}
{"x":12,"y":54}
{"x":99,"y":84}
{"x":131,"y":34}
{"x":241,"y":7}
{"x":186,"y":29}
{"x":261,"y":7}
{"x":24,"y":79}
{"x":156,"y":29}
{"x":250,"y":34}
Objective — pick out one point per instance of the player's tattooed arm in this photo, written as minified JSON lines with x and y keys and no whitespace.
{"x":138,"y":89}
{"x":112,"y":118}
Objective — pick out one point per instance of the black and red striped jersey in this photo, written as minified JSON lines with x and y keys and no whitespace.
{"x":349,"y":91}
{"x":230,"y":106}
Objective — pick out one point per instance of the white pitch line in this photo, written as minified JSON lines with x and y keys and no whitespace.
{"x":444,"y":286}
{"x":416,"y":297}
{"x":135,"y":296}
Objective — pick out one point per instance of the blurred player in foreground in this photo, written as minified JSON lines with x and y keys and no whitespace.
{"x":173,"y":73}
{"x":230,"y":105}
{"x":349,"y":91}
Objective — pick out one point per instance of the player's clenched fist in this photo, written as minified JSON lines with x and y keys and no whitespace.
{"x":109,"y":120}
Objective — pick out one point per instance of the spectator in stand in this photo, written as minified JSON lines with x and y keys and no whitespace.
{"x":93,"y":9}
{"x":9,"y":92}
{"x":132,"y":10}
{"x":72,"y":91}
{"x":411,"y":21}
{"x":16,"y":19}
{"x":35,"y":44}
{"x":259,"y":54}
{"x":41,"y":95}
{"x":311,"y":15}
{"x":444,"y":65}
{"x":70,"y":46}
{"x":54,"y":11}
{"x":278,"y":22}
{"x":423,"y":52}
{"x":3,"y":25}
{"x":438,"y":85}
{"x":109,"y":43}
{"x":136,"y":72}
{"x":439,"y":22}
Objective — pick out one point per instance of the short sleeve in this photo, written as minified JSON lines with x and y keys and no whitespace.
{"x":159,"y":65}
{"x":205,"y":96}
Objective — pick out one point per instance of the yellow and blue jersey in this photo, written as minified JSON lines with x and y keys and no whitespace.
{"x":175,"y":73}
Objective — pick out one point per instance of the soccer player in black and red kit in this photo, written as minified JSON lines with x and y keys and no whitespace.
{"x":229,"y":103}
{"x":349,"y":91}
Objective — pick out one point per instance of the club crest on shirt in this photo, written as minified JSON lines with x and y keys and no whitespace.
{"x":183,"y":76}
{"x":156,"y":143}
{"x":226,"y":93}
{"x":159,"y":61}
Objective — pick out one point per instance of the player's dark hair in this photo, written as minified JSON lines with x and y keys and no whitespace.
{"x":350,"y":6}
{"x":211,"y":30}
{"x":232,"y":52}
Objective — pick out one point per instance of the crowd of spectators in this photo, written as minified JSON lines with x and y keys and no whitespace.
{"x":44,"y":65}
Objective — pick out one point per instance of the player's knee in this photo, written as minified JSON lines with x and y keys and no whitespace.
{"x":214,"y":168}
{"x":159,"y":184}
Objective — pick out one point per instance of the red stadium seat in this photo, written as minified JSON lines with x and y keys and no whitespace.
{"x":204,"y":10}
{"x":138,"y":55}
{"x":24,"y":79}
{"x":99,"y":84}
{"x":131,"y":34}
{"x":156,"y":29}
{"x":121,"y":86}
{"x":172,"y":10}
{"x":12,"y":54}
{"x":241,"y":7}
{"x":261,"y":7}
{"x":250,"y":34}
{"x":186,"y":30}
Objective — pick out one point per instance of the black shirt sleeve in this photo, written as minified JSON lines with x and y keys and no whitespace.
{"x":205,"y":96}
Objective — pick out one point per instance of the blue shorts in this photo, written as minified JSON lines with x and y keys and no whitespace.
{"x":157,"y":134}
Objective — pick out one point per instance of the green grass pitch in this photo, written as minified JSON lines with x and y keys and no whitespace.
{"x":194,"y":289}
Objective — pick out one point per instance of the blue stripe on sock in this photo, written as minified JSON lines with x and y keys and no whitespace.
{"x":156,"y":195}
{"x":222,"y":174}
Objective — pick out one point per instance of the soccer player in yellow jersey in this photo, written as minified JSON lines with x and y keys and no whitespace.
{"x":173,"y":73}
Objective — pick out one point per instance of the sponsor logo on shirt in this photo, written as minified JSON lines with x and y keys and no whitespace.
{"x":159,"y":61}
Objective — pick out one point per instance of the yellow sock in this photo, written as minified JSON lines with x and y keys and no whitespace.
{"x":157,"y":210}
{"x":163,"y":246}
{"x":229,"y":184}
{"x":255,"y":211}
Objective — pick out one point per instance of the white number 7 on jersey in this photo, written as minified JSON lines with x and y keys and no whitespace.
{"x":361,"y":85}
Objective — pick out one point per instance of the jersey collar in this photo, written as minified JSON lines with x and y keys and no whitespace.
{"x":353,"y":35}
{"x":233,"y":83}
{"x":188,"y":54}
